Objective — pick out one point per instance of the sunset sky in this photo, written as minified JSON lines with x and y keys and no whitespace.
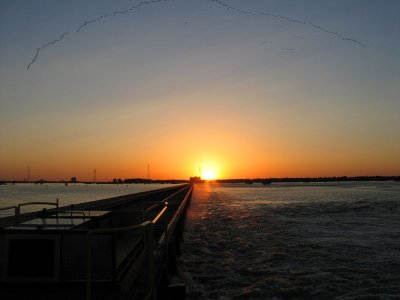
{"x":240,"y":88}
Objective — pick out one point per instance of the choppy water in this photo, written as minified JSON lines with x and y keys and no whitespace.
{"x":298,"y":241}
{"x":70,"y":194}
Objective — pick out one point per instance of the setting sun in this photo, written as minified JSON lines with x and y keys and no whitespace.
{"x":209,"y":173}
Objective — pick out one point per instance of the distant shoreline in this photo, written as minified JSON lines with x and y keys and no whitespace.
{"x":234,"y":180}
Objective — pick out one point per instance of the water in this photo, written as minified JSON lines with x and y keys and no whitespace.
{"x":293,"y":241}
{"x":281,"y":241}
{"x":70,"y":194}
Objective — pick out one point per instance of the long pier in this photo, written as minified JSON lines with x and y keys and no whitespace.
{"x":118,"y":248}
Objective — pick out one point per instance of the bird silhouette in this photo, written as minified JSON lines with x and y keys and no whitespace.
{"x":223,"y":4}
{"x":265,"y":42}
{"x":292,"y":20}
{"x":35,"y":57}
{"x":120,"y":12}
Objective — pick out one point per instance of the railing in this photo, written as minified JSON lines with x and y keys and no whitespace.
{"x":18,"y":210}
{"x":146,"y":228}
{"x":164,"y":203}
{"x":166,"y":236}
{"x":18,"y":216}
{"x":182,"y":206}
{"x":11,"y":207}
{"x":153,"y":207}
{"x":75,"y":212}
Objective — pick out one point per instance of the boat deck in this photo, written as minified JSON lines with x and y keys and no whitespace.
{"x":117,"y":248}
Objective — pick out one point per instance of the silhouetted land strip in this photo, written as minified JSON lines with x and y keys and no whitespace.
{"x":231,"y":180}
{"x":311,"y":179}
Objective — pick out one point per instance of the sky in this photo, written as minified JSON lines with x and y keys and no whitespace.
{"x":233,"y":88}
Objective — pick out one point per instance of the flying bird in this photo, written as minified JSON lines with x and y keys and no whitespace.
{"x":297,"y":21}
{"x":141,"y":4}
{"x":35,"y":57}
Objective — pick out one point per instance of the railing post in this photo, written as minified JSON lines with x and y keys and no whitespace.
{"x":57,"y":206}
{"x":88,"y":267}
{"x":17,"y":213}
{"x":149,"y":236}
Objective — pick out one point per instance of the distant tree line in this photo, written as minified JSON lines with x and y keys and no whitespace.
{"x":234,"y":180}
{"x":145,"y":181}
{"x":310,"y":179}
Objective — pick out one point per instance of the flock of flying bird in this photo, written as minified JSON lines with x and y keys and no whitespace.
{"x":220,"y":3}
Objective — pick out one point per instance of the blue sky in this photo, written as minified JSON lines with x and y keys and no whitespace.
{"x":286,"y":98}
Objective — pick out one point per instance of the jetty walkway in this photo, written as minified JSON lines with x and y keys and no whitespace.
{"x":118,"y":248}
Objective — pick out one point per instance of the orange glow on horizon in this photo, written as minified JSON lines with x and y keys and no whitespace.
{"x":227,"y":153}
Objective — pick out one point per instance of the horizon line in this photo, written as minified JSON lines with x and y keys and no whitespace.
{"x":255,"y":179}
